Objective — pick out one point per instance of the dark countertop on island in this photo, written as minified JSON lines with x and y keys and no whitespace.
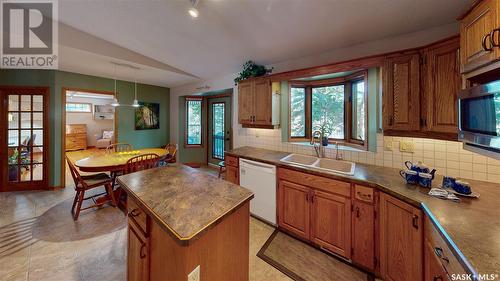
{"x":184,"y":201}
{"x":472,"y":226}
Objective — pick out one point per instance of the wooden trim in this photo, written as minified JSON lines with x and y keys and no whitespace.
{"x":46,"y":177}
{"x":63,"y":124}
{"x":468,"y":10}
{"x":422,"y":134}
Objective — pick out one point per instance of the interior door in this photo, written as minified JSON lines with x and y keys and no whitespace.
{"x":219,"y":128}
{"x":24,"y":142}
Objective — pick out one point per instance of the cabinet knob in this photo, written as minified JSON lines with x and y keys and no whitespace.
{"x":134,"y":213}
{"x":142,"y":254}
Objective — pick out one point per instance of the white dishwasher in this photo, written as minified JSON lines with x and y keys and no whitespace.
{"x":260,"y":178}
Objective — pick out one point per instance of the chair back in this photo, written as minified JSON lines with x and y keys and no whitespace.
{"x":119,"y":147}
{"x":171,"y":152}
{"x":74,"y":173}
{"x":141,"y":162}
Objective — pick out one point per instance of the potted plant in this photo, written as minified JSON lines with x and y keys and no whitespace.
{"x":251,"y":69}
{"x":326,"y":129}
{"x":13,"y":166}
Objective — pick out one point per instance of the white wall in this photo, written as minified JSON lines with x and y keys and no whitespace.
{"x":93,"y":126}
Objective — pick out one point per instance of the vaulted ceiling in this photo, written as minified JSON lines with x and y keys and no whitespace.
{"x":229,"y":32}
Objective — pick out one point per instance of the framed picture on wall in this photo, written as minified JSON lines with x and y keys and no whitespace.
{"x":147,"y":116}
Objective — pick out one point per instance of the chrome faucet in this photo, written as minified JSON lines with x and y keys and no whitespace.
{"x":318,"y":147}
{"x":337,"y":155}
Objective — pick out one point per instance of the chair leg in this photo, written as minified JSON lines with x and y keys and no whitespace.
{"x":220,"y":171}
{"x":111,"y":194}
{"x":79,"y":205}
{"x":74,"y":202}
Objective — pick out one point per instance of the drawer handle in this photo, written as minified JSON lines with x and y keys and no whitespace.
{"x":439,"y":253}
{"x":134,"y":213}
{"x":415,"y":221}
{"x":485,"y":37}
{"x":366,"y":196}
{"x":438,"y":278}
{"x":357,"y":212}
{"x":141,"y":254}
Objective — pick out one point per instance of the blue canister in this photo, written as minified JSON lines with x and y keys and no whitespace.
{"x":409,"y":176}
{"x":425,"y":179}
{"x":462,"y":187}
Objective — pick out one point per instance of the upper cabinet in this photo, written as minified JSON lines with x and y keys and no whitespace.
{"x":476,"y":29}
{"x":420,"y":92}
{"x":258,"y":103}
{"x":401,"y":92}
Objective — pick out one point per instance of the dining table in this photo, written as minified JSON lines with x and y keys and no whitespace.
{"x":114,"y":163}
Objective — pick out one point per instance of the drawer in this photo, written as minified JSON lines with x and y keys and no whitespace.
{"x":441,"y":250}
{"x":231,"y":161}
{"x":317,"y":182}
{"x":363,"y":193}
{"x":137,"y":215}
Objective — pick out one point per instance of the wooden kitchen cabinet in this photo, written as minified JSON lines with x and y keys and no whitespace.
{"x":258,"y":103}
{"x":401,"y":82}
{"x":433,"y":269}
{"x":401,"y":246}
{"x":330,"y":220}
{"x":294,"y":208}
{"x":137,"y":254}
{"x":232,"y":169}
{"x":363,"y":228}
{"x":420,"y":92}
{"x":441,"y":84}
{"x":475,"y":27}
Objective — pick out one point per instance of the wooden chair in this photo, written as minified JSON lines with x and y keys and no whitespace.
{"x":141,"y":162}
{"x":170,"y":156}
{"x":84,"y":183}
{"x":222,"y":168}
{"x":119,"y":147}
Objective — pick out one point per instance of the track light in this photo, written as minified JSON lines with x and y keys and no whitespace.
{"x":193,"y":12}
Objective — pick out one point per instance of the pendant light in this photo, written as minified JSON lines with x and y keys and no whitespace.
{"x":115,"y":102}
{"x":193,"y":12}
{"x":136,"y":102}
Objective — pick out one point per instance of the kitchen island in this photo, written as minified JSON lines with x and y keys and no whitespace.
{"x":184,"y":221}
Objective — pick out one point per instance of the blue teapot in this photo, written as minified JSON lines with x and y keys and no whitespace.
{"x":419,"y":167}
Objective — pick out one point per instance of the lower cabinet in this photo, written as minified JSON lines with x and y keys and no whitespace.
{"x":363,"y":234}
{"x":400,"y":240}
{"x":433,"y":269}
{"x":232,"y":170}
{"x":330,"y":220}
{"x":137,"y":253}
{"x":294,"y":208}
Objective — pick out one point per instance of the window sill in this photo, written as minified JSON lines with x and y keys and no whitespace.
{"x":331,"y":146}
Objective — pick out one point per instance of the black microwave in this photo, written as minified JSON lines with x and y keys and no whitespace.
{"x":479,"y":118}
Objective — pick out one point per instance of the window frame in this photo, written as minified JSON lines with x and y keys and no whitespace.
{"x":90,"y":105}
{"x":186,"y":122}
{"x":347,"y":82}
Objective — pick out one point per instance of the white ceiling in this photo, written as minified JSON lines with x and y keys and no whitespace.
{"x":229,"y":32}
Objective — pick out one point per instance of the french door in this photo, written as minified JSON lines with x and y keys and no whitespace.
{"x":219,"y":128}
{"x":24,"y":139}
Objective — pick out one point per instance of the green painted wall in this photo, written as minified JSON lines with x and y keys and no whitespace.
{"x":57,"y":80}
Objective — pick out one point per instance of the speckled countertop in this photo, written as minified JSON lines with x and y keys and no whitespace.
{"x":473,"y":224}
{"x":184,"y":201}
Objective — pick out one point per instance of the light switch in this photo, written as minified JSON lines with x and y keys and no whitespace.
{"x":388,"y":145}
{"x":406,"y":146}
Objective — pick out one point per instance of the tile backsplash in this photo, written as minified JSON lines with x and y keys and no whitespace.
{"x":447,"y":157}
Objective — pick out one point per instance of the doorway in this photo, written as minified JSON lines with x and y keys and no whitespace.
{"x":219,"y":128}
{"x":24,"y":141}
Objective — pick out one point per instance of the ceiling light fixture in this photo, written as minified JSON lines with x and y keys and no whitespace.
{"x":136,"y":102}
{"x":193,"y":12}
{"x":115,"y":102}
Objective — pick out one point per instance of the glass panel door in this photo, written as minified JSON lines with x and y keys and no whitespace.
{"x":25,"y":117}
{"x":219,"y":128}
{"x":218,"y":132}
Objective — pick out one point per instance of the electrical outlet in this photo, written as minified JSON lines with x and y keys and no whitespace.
{"x":388,"y":145}
{"x":406,"y":146}
{"x":195,"y":274}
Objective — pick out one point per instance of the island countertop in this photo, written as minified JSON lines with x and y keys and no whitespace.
{"x":184,"y":201}
{"x":472,"y":227}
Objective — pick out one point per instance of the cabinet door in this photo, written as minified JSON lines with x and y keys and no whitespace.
{"x":245,"y":102}
{"x":233,"y":174}
{"x":293,"y":206}
{"x":331,"y":222}
{"x":473,"y":29}
{"x":433,"y":269}
{"x":400,"y":240}
{"x":263,"y":102}
{"x":401,"y":81}
{"x":442,"y":83}
{"x":137,"y":255}
{"x":363,"y":235}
